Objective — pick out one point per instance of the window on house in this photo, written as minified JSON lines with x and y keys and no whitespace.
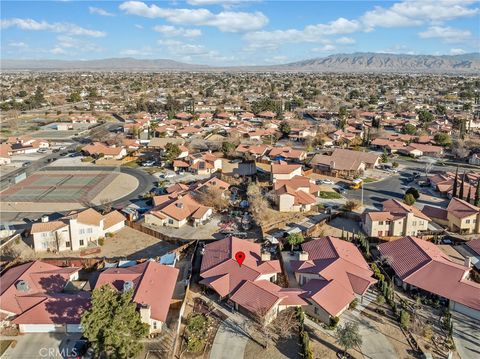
{"x":44,"y":234}
{"x":67,"y":244}
{"x":467,"y":221}
{"x":81,"y":242}
{"x":154,"y":324}
{"x":380,"y":223}
{"x":315,"y":310}
{"x":44,"y":245}
{"x":81,"y":231}
{"x":89,"y":230}
{"x":170,"y":221}
{"x":414,"y":223}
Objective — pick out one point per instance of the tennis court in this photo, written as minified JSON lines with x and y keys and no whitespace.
{"x":59,"y":186}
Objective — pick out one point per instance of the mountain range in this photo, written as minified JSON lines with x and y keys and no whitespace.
{"x":344,"y":63}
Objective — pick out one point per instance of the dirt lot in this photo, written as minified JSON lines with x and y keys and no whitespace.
{"x":324,"y":346}
{"x":127,"y":242}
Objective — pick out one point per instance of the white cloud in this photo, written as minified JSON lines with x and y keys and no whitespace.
{"x":415,"y":13}
{"x":58,"y":51}
{"x":447,"y":34}
{"x":144,"y":51}
{"x":326,"y":48}
{"x":226,"y":21}
{"x":345,"y":40}
{"x":311,"y":33}
{"x":33,"y":25}
{"x":99,"y":11}
{"x":18,"y":45}
{"x":169,"y":30}
{"x":457,"y":51}
{"x":138,"y":26}
{"x":212,"y":2}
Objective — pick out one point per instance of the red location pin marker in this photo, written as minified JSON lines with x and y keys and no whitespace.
{"x":240,"y":257}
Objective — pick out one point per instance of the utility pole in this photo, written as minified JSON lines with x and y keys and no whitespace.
{"x":362,"y":193}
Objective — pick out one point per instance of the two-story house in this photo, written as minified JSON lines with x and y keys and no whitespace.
{"x":395,"y":220}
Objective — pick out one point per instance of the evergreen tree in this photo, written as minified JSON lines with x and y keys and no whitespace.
{"x":461,"y":187}
{"x":477,"y":195}
{"x":113,"y":324}
{"x":469,"y":196}
{"x":455,"y":184}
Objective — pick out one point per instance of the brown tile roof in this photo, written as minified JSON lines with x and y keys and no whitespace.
{"x":47,"y":226}
{"x":460,"y":208}
{"x":112,"y":218}
{"x":343,"y":159}
{"x":399,"y":208}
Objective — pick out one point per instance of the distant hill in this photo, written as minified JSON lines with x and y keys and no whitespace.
{"x":355,"y":63}
{"x":377,"y":62}
{"x":112,"y":64}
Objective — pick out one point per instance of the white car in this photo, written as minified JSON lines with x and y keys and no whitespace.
{"x":148,"y":164}
{"x":42,"y":150}
{"x":325,"y":181}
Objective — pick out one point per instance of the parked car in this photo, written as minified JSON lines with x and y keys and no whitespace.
{"x":78,"y":350}
{"x":42,"y":150}
{"x":148,"y":163}
{"x":26,"y":164}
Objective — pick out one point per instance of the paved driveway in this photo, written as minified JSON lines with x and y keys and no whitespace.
{"x":41,"y":345}
{"x":466,"y":334}
{"x":230,"y":341}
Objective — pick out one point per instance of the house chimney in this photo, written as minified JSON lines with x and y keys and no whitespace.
{"x":468,"y":262}
{"x":265,"y":256}
{"x":22,"y":286}
{"x":303,"y":256}
{"x":145,"y":312}
{"x":179,"y":205}
{"x":44,"y":219}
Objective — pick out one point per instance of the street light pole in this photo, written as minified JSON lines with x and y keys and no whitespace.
{"x":362,"y":193}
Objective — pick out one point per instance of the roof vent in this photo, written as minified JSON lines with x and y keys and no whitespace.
{"x":179,"y":205}
{"x":22,"y":286}
{"x":45,"y":219}
{"x":127,"y":285}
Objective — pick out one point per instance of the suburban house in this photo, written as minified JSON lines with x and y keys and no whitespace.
{"x":283,"y":171}
{"x":75,"y":231}
{"x":396,"y":219}
{"x":287,"y":154}
{"x":344,"y":163}
{"x":153,"y":285}
{"x":332,"y":273}
{"x":248,"y":286}
{"x":176,"y":209}
{"x":459,"y":216}
{"x":297,"y":194}
{"x":26,"y":144}
{"x":98,"y":149}
{"x":32,"y":297}
{"x":421,"y":264}
{"x":256,"y":151}
{"x":203,"y":163}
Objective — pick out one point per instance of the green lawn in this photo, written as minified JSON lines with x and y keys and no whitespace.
{"x":330,"y":195}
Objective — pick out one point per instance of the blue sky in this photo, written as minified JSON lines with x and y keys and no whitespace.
{"x":234,"y":32}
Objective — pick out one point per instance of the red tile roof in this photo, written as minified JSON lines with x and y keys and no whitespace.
{"x":40,"y":278}
{"x":422,"y":264}
{"x":154,"y":284}
{"x":342,"y":272}
{"x":221,"y":271}
{"x":460,"y":208}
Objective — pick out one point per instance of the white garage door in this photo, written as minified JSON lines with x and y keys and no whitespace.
{"x":74,"y":328}
{"x":41,"y":328}
{"x":472,"y":313}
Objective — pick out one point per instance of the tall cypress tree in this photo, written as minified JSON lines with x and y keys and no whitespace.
{"x":461,"y":187}
{"x":455,"y":184}
{"x":477,"y":195}
{"x":469,"y":196}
